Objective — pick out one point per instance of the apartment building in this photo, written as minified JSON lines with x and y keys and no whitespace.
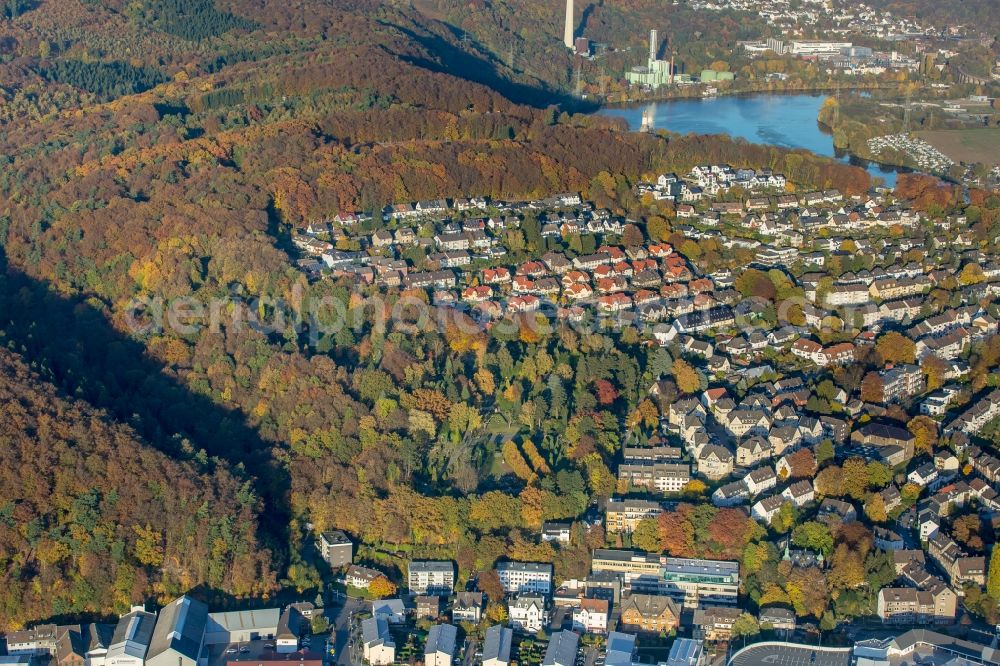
{"x":431,"y":577}
{"x":715,"y":462}
{"x":622,"y":515}
{"x":902,"y":382}
{"x":661,"y":477}
{"x":467,"y":607}
{"x":39,"y":640}
{"x":847,"y":294}
{"x":907,"y":605}
{"x":520,"y":577}
{"x":591,"y":616}
{"x":649,"y":613}
{"x":335,"y":548}
{"x":715,"y":623}
{"x":978,"y":415}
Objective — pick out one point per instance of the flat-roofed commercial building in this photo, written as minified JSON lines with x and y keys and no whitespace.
{"x":242,"y":626}
{"x":630,"y":565}
{"x":694,"y":582}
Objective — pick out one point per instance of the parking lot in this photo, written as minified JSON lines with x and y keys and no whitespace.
{"x":219,"y":655}
{"x":790,"y":655}
{"x":253,"y":651}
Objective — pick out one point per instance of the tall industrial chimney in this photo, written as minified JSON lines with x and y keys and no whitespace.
{"x":652,"y":45}
{"x":570,"y":25}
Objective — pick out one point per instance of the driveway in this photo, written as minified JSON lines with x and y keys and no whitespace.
{"x":470,"y":652}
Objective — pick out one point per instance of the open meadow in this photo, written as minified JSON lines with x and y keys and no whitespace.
{"x":966,"y":145}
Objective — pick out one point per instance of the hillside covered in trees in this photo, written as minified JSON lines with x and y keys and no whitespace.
{"x":92,"y":518}
{"x":528,"y":35}
{"x":173,"y":161}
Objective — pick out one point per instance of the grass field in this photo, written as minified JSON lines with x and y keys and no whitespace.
{"x":966,"y":145}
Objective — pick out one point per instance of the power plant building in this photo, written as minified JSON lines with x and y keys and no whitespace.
{"x":656,"y":73}
{"x":711,"y":76}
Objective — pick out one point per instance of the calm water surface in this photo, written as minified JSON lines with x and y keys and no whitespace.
{"x":788,"y":121}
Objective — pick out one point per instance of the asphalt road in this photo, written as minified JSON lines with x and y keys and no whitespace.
{"x":348,"y":652}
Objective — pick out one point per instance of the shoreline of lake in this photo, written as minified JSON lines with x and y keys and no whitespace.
{"x":785,"y":119}
{"x":697,"y":92}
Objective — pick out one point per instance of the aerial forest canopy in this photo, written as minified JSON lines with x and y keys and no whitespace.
{"x":93,"y":518}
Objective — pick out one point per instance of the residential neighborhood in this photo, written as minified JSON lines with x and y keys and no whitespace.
{"x":818,"y":404}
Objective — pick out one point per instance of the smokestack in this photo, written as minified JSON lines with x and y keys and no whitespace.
{"x":652,"y":45}
{"x":570,"y":25}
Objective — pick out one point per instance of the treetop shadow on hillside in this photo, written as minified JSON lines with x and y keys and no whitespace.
{"x":588,"y":11}
{"x":461,"y":63}
{"x":72,"y":345}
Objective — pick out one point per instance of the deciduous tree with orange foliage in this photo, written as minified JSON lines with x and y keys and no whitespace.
{"x":381,"y":588}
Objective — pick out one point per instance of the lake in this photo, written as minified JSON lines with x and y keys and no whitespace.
{"x":787,"y":120}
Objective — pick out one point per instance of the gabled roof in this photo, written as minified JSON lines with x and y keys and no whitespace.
{"x":132,"y":635}
{"x":650,"y":605}
{"x":497,"y":644}
{"x":441,"y":638}
{"x":562,"y":649}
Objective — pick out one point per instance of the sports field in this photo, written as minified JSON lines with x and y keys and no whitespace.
{"x":981,"y":144}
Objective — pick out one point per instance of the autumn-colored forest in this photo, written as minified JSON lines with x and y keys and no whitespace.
{"x":92,"y":515}
{"x":178,"y":168}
